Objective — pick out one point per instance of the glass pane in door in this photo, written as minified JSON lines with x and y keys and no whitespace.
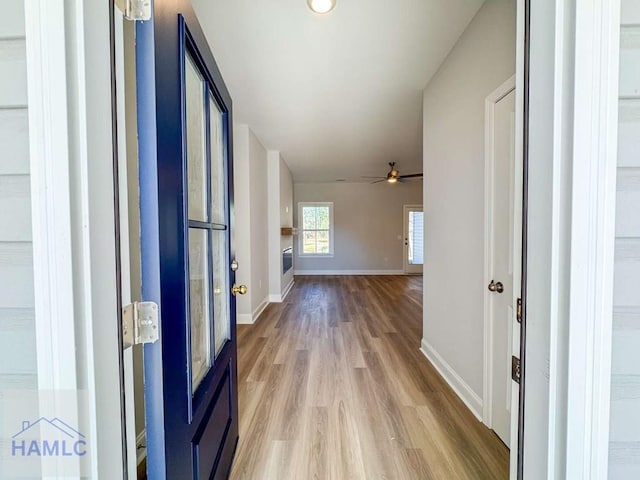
{"x":199,"y":308}
{"x":196,"y":163}
{"x":221,"y":289}
{"x":221,"y":286}
{"x":218,"y":165}
{"x":416,"y":238}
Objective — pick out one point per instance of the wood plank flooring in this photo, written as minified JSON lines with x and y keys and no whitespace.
{"x":332,"y":385}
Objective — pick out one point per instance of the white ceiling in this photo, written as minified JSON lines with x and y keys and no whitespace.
{"x":339,"y":95}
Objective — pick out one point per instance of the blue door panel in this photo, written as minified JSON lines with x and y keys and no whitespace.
{"x":188,"y":436}
{"x":209,"y":443}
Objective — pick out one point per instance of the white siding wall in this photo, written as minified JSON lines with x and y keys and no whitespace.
{"x":624,"y":455}
{"x":17,"y":332}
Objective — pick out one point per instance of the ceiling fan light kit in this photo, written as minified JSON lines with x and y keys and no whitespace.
{"x":321,"y":6}
{"x":393,"y":176}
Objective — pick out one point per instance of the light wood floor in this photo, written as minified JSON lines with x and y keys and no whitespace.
{"x":332,"y":386}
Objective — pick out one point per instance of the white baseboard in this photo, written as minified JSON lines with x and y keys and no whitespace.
{"x":287,"y":289}
{"x":244,"y":319}
{"x":275,"y":298}
{"x":349,"y":272}
{"x":250,"y":318}
{"x":258,"y":311}
{"x":457,"y":384}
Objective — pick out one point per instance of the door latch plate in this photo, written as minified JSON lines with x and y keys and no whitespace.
{"x":515,"y":369}
{"x":139,"y":323}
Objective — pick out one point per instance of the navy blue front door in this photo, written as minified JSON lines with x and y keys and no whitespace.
{"x":185,"y":138}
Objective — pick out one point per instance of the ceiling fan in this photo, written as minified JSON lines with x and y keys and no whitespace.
{"x":393,"y":176}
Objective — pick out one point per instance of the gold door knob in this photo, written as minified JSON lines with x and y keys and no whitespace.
{"x":239,"y":289}
{"x":496,"y":287}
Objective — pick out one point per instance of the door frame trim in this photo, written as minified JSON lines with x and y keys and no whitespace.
{"x":523,"y":61}
{"x":121,"y":173}
{"x":595,"y":136}
{"x":489,"y":167}
{"x":572,"y":290}
{"x":73,"y":216}
{"x":51,"y":214}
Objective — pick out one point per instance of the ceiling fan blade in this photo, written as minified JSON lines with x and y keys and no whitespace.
{"x":373,"y":177}
{"x":413,"y":175}
{"x":378,"y":181}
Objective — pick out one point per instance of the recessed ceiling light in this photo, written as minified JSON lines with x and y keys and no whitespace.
{"x":321,"y":6}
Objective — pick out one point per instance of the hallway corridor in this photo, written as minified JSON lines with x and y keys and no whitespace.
{"x":332,"y":385}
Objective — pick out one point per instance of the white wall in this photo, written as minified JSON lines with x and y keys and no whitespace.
{"x":280,"y":201}
{"x":624,"y":453}
{"x":368,"y":225}
{"x":242,"y":219}
{"x":17,"y":322}
{"x":250,"y":227}
{"x":273,"y":219}
{"x":454,"y":283}
{"x":286,"y":218}
{"x":259,"y":214}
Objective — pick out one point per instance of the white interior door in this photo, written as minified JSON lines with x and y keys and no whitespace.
{"x":413,"y":239}
{"x":502,"y":241}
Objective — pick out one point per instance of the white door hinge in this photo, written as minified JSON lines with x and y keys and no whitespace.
{"x":135,"y":9}
{"x":139,"y":323}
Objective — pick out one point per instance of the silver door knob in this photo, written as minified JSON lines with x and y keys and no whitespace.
{"x":496,"y":287}
{"x":234,"y":265}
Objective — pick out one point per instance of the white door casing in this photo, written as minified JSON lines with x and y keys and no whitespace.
{"x":503,"y":224}
{"x":571,"y":208}
{"x":503,"y":202}
{"x":123,"y":205}
{"x":519,"y":219}
{"x":69,"y":81}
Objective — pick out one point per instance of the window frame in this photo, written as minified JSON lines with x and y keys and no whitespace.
{"x":301,"y":230}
